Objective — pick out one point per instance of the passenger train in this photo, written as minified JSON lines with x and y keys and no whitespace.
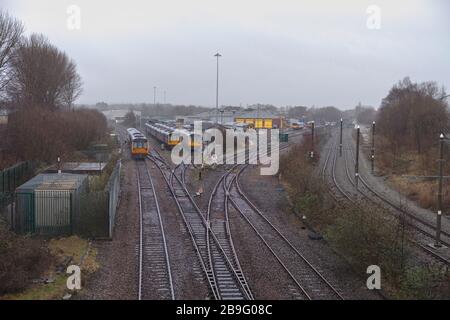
{"x":170,"y":136}
{"x":138,"y":144}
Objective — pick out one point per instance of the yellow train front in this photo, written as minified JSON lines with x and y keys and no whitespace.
{"x":139,"y":147}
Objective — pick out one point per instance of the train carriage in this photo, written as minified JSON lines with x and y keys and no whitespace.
{"x":139,"y":147}
{"x":170,"y":136}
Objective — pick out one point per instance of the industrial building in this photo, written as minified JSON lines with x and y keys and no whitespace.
{"x":220,"y":116}
{"x":257,"y":119}
{"x":260,"y":119}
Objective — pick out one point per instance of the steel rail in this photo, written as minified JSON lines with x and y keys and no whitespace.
{"x":402,"y":211}
{"x":211,"y":280}
{"x":205,"y":227}
{"x":278,"y":233}
{"x":222,"y":231}
{"x":152,"y":240}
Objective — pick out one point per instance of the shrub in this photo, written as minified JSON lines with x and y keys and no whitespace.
{"x":21,"y":260}
{"x":371,"y":236}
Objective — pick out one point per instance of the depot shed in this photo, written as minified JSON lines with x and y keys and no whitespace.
{"x":48,"y":204}
{"x":90,"y":168}
{"x":260,"y":119}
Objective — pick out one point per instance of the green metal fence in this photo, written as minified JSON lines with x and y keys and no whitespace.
{"x":48,"y":204}
{"x":113,"y":190}
{"x":61,"y":212}
{"x":13,"y":177}
{"x":98,"y":208}
{"x":25,"y":222}
{"x":46,"y":212}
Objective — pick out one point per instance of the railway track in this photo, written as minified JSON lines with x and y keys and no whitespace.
{"x":423,"y":227}
{"x":213,"y":242}
{"x":335,"y":189}
{"x":217,"y":218}
{"x":417,"y":223}
{"x":308,"y":282}
{"x":155,"y":278}
{"x":225,"y":278}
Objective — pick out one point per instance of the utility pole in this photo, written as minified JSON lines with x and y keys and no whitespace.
{"x":217,"y":55}
{"x":357,"y":158}
{"x":312,"y":140}
{"x":59,"y":165}
{"x":372,"y":158}
{"x":340,"y":141}
{"x":437,"y":243}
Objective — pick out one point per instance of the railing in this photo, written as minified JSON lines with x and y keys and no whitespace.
{"x":11,"y":178}
{"x":113,"y":190}
{"x":45,"y":212}
{"x":61,"y":212}
{"x":98,"y":209}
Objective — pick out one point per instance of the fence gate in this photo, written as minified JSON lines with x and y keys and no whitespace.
{"x":44,"y":212}
{"x":24,"y":212}
{"x":53,"y":212}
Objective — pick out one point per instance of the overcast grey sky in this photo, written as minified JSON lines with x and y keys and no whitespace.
{"x":279,"y":52}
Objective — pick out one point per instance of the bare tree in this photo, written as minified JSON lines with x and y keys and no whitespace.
{"x":11,"y":31}
{"x":73,"y":86}
{"x":324,"y":114}
{"x":41,"y":75}
{"x":413,"y":114}
{"x":365,"y":115}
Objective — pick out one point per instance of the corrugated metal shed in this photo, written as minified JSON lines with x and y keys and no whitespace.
{"x":79,"y":167}
{"x":53,"y":181}
{"x":49,"y":203}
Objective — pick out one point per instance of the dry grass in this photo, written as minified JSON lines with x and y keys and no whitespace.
{"x":77,"y":249}
{"x":423,"y":192}
{"x":401,"y":166}
{"x":70,"y":250}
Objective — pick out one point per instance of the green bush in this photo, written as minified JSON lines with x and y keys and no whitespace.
{"x":370,"y":236}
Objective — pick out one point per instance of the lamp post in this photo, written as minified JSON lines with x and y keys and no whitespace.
{"x":340,"y":140}
{"x":312,"y":139}
{"x":372,"y":158}
{"x":357,"y":158}
{"x":437,"y":243}
{"x":217,"y":55}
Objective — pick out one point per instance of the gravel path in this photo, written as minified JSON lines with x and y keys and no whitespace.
{"x":117,"y":275}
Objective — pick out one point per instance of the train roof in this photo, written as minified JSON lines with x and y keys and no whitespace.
{"x":135,"y":134}
{"x":164,"y":129}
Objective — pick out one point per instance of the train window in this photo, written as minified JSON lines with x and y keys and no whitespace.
{"x":139,"y":144}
